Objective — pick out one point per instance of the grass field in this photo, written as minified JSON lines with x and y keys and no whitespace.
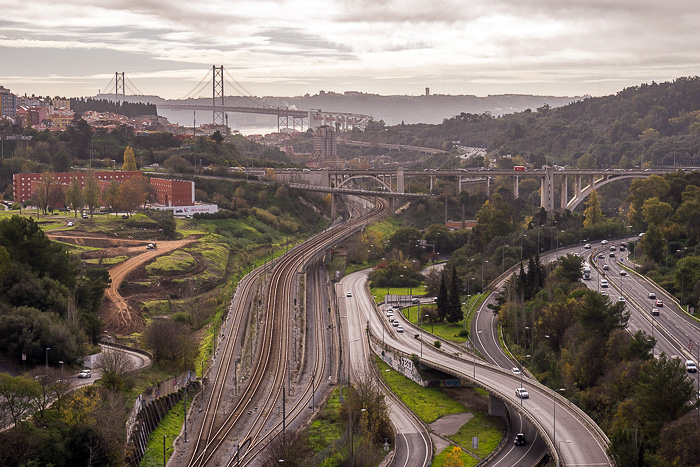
{"x":443,"y":459}
{"x":178,"y":262}
{"x":428,"y":403}
{"x":326,"y":428}
{"x":168,"y":427}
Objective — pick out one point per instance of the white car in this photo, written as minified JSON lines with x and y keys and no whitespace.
{"x":604,"y":242}
{"x":85,"y":374}
{"x":620,"y":299}
{"x":587,"y":246}
{"x":395,"y":323}
{"x":623,"y":272}
{"x":690,"y":366}
{"x":516,"y":371}
{"x":349,"y":294}
{"x":399,"y":328}
{"x":521,"y":393}
{"x":69,"y":224}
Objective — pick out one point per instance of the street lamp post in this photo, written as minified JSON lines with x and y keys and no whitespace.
{"x":554,"y":429}
{"x":482,"y":275}
{"x":47,"y":357}
{"x":567,"y":441}
{"x":503,"y":259}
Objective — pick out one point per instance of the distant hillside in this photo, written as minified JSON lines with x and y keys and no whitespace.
{"x":392,"y":109}
{"x":647,"y":124}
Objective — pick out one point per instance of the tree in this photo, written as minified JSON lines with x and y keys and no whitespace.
{"x":91,"y":192}
{"x":593,"y":212}
{"x":42,"y":192}
{"x":60,"y":162}
{"x":116,"y":367}
{"x":131,"y":195}
{"x":17,"y":395}
{"x":656,"y":211}
{"x":454,"y":304}
{"x":110,"y":196}
{"x":663,"y":393}
{"x":441,"y":301}
{"x":599,"y":317}
{"x":217,"y":137}
{"x":570,"y":268}
{"x":74,"y":196}
{"x":652,"y":244}
{"x":129,"y":160}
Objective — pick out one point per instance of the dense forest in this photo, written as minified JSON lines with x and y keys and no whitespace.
{"x":651,"y":124}
{"x":46,"y":299}
{"x":81,"y":105}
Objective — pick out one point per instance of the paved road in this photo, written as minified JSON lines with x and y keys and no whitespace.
{"x":676,"y":332}
{"x":543,"y":406}
{"x":413,"y":445}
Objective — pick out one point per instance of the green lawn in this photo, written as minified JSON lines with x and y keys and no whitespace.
{"x":170,"y":427}
{"x":379,"y":292}
{"x":490,"y":431}
{"x":177,"y":262}
{"x":428,"y":403}
{"x":446,"y":330}
{"x":441,"y":459}
{"x":326,"y":428}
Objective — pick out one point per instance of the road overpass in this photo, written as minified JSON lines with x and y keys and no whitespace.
{"x":571,"y":187}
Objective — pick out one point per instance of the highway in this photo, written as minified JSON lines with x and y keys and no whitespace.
{"x":578,"y":440}
{"x":676,"y":332}
{"x":413,"y":444}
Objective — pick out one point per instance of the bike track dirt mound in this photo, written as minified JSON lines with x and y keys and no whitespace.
{"x":117,"y":315}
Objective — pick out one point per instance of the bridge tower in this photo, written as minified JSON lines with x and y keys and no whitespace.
{"x":119,"y":80}
{"x":217,"y":116}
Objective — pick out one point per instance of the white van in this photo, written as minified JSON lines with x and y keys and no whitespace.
{"x":603,"y":282}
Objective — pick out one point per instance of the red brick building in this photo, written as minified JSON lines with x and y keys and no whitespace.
{"x":168,"y":192}
{"x":173,"y":192}
{"x":23,"y":184}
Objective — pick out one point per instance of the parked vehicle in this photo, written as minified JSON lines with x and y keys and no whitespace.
{"x":85,"y":374}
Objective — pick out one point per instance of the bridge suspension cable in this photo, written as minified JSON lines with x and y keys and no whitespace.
{"x":110,"y":87}
{"x":202,"y":84}
{"x":132,"y":88}
{"x":247,"y":94}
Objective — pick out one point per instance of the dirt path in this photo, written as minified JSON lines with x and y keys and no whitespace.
{"x":118,"y":316}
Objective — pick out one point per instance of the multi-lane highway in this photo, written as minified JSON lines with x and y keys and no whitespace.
{"x":413,"y":444}
{"x":577,"y":439}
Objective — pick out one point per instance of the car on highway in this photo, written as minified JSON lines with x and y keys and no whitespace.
{"x":85,"y":374}
{"x":623,"y":272}
{"x":691,"y":366}
{"x":604,"y":242}
{"x":587,"y":246}
{"x":654,"y":312}
{"x":621,"y":299}
{"x":399,"y":328}
{"x":651,"y":295}
{"x":604,"y":292}
{"x":601,"y":255}
{"x":603,"y":283}
{"x":606,"y":267}
{"x":415,"y":301}
{"x":520,"y":440}
{"x":612,"y":248}
{"x":349,"y":294}
{"x":390,"y":318}
{"x":659,"y":303}
{"x":612,"y":255}
{"x":522,"y":393}
{"x":515,"y":370}
{"x":395,"y":323}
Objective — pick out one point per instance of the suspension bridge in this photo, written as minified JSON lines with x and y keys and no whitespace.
{"x":220,"y":80}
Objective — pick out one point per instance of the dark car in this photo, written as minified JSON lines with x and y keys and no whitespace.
{"x":520,"y":440}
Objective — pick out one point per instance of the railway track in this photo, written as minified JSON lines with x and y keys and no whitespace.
{"x":237,"y":436}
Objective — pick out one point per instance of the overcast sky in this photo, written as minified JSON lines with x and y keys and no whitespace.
{"x":289,"y":48}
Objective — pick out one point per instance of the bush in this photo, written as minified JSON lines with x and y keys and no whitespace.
{"x":437,"y":344}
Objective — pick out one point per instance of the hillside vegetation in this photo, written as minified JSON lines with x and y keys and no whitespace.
{"x":647,"y":124}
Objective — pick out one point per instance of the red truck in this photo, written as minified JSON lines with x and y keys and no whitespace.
{"x":520,"y":168}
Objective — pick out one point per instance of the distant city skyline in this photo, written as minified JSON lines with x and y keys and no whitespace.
{"x":289,"y":48}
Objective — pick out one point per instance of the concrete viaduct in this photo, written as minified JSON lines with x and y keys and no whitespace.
{"x":559,"y":189}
